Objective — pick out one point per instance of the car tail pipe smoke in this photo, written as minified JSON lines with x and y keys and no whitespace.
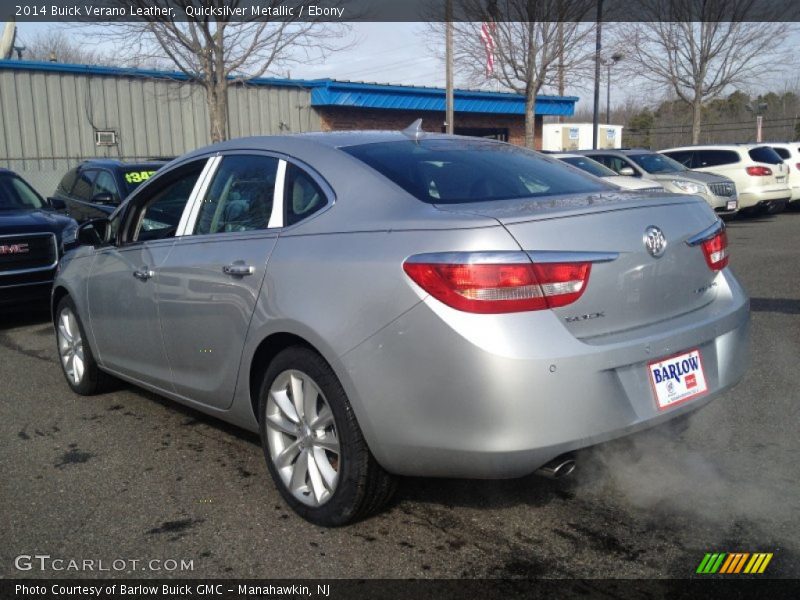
{"x":559,"y":467}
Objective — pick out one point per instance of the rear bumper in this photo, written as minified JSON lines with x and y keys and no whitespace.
{"x":755,"y":196}
{"x":442,"y":393}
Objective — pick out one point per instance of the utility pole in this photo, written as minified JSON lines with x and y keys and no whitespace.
{"x":598,"y":49}
{"x":449,"y":66}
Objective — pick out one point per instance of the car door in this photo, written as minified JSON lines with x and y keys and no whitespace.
{"x":209,"y":284}
{"x":79,"y":198}
{"x":122,"y":287}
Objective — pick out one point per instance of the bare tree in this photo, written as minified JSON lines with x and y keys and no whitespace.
{"x":704,"y":54}
{"x":529,"y":53}
{"x":216,"y":52}
{"x":57,"y":46}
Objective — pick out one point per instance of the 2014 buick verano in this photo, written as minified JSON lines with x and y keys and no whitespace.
{"x":400,"y":303}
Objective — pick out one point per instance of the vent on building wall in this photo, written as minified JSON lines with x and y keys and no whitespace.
{"x":105,"y":137}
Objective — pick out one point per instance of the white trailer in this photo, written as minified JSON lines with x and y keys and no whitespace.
{"x":564,"y":137}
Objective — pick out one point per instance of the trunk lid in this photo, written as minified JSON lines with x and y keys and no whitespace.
{"x":635,"y":289}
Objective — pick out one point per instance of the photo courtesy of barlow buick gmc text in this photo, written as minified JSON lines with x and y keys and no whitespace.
{"x":432,"y":299}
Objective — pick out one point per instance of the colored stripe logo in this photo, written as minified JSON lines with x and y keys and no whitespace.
{"x":734,"y":563}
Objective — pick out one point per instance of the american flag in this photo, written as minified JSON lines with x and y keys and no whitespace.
{"x":487,"y":35}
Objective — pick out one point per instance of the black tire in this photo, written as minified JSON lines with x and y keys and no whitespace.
{"x":363,"y":486}
{"x":776,"y":207}
{"x":94,"y":381}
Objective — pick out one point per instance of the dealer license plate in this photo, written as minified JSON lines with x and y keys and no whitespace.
{"x":677,"y":379}
{"x":731,"y":205}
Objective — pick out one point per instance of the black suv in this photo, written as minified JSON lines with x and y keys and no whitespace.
{"x":32,"y":239}
{"x":95,"y":188}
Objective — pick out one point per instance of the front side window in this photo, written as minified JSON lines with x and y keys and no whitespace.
{"x":302,"y":196}
{"x":157,"y":212}
{"x":657,"y":163}
{"x":15,"y":194}
{"x":682,"y":156}
{"x":446,"y":171}
{"x":84,"y":185}
{"x":105,"y":184}
{"x":240,"y":196}
{"x":66,"y":183}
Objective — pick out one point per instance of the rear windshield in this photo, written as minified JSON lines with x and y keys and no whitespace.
{"x":782,"y":152}
{"x":450,"y":171}
{"x":657,"y":163}
{"x":590,"y":166}
{"x":135,"y":176}
{"x":15,"y":194}
{"x":765,"y":154}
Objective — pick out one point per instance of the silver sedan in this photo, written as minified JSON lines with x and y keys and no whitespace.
{"x":380,"y":304}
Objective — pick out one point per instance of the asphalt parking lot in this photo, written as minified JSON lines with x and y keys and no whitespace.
{"x":128,"y":475}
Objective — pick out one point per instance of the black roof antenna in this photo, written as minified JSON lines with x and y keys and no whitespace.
{"x":414,"y":131}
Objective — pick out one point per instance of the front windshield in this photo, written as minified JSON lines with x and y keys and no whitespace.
{"x":15,"y":194}
{"x":590,"y":166}
{"x":657,"y":163}
{"x":135,"y":176}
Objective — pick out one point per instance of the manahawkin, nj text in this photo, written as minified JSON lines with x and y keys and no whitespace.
{"x":93,"y":11}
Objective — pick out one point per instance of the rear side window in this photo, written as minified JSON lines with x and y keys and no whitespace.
{"x":302,"y":196}
{"x":66,"y":183}
{"x":446,"y":171}
{"x":240,"y":196}
{"x":782,"y":152}
{"x":765,"y":154}
{"x":713,"y":158}
{"x":84,"y":185}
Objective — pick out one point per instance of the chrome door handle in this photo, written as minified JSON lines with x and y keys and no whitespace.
{"x":143,"y":274}
{"x":238,"y":270}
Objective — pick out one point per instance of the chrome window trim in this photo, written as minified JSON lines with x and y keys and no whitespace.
{"x":706,"y":234}
{"x":34,"y":269}
{"x":276,"y":217}
{"x":512,"y":257}
{"x":558,"y":256}
{"x":472,"y":258}
{"x":192,"y":208}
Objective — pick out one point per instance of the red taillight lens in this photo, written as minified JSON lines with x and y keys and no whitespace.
{"x":716,"y":251}
{"x":759,"y":171}
{"x":501,"y":288}
{"x":798,"y":166}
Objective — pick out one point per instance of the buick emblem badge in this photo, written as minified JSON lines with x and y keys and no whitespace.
{"x":654,"y":241}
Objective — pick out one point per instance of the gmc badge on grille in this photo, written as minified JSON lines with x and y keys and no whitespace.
{"x":13,"y":249}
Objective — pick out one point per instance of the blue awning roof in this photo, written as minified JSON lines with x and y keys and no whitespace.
{"x":401,"y":97}
{"x":330,"y":92}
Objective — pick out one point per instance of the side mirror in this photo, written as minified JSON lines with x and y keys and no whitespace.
{"x":103,"y":198}
{"x":57,"y":204}
{"x":93,"y":233}
{"x":627,"y":171}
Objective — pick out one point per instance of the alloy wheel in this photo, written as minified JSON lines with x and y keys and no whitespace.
{"x":301,"y":433}
{"x":70,"y":345}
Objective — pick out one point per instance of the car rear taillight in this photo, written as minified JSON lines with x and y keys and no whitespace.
{"x":492,"y":288}
{"x":759,"y":171}
{"x":715,"y":250}
{"x":798,"y":166}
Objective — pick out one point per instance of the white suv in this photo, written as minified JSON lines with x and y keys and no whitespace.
{"x":790,"y":153}
{"x":760,"y":174}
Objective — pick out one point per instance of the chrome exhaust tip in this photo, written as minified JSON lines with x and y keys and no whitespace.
{"x":559,"y":467}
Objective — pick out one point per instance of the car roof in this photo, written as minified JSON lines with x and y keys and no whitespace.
{"x":113,"y":162}
{"x":622,"y":151}
{"x":731,"y":146}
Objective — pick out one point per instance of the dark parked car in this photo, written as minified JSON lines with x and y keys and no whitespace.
{"x":32,"y":238}
{"x":95,"y":188}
